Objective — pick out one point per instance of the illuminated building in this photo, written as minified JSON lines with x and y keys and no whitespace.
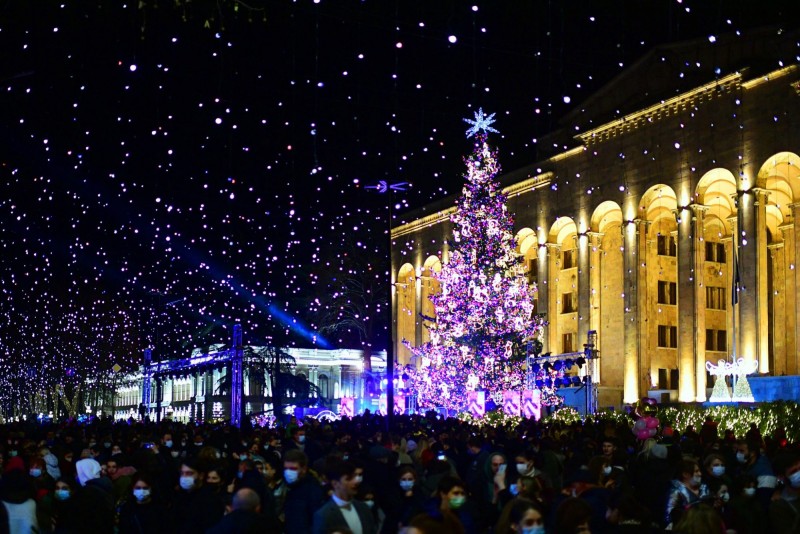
{"x":629,"y":222}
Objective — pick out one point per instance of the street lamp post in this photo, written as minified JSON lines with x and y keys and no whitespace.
{"x":384,"y":187}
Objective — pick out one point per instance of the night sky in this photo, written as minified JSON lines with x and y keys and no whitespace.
{"x":170,"y":167}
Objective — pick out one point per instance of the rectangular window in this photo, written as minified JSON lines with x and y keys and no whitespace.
{"x":667,"y":245}
{"x":533,"y":270}
{"x":715,"y":298}
{"x":667,"y":292}
{"x":569,"y":303}
{"x":568,"y":342}
{"x":568,"y":260}
{"x":715,"y":252}
{"x":667,"y":336}
{"x":717,"y":340}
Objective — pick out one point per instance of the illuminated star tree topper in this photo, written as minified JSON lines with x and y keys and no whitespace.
{"x":481,"y":124}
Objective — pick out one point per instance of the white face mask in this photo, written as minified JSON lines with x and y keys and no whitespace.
{"x":141,"y":493}
{"x":522,"y":468}
{"x":359,"y":479}
{"x":187,"y":483}
{"x":607,"y":470}
{"x":370,"y":503}
{"x":718,"y":470}
{"x":749,"y":492}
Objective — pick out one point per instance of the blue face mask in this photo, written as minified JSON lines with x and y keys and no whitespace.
{"x":406,"y":485}
{"x":141,"y":494}
{"x":536,"y":529}
{"x":290,"y":475}
{"x":61,"y":494}
{"x":36,"y":473}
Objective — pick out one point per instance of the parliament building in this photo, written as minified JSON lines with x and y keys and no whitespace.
{"x":662,"y":214}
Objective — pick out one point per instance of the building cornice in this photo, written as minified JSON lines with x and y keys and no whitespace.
{"x":424,"y":222}
{"x":663,"y":109}
{"x":755,"y":82}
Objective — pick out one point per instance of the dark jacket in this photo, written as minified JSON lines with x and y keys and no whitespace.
{"x":329,"y":517}
{"x":94,"y":507}
{"x":303,"y":498}
{"x":144,"y":518}
{"x":401,"y":509}
{"x":196,"y":511}
{"x":242,"y":522}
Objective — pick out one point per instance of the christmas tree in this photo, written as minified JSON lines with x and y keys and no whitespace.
{"x":742,"y":392}
{"x":484,"y":309}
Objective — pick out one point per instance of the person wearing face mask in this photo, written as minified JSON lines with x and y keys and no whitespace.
{"x":521,"y":516}
{"x":367,"y":495}
{"x":248,"y":476}
{"x":51,"y":463}
{"x":64,"y":519}
{"x":532,"y":480}
{"x":195,"y":508}
{"x":784,"y":512}
{"x":688,"y":489}
{"x":452,"y":502}
{"x":744,"y":513}
{"x":304,"y":493}
{"x":297,"y":439}
{"x":752,"y":462}
{"x":715,"y":473}
{"x":141,"y":512}
{"x":404,"y":502}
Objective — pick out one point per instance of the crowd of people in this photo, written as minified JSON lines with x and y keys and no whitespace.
{"x":424,"y":475}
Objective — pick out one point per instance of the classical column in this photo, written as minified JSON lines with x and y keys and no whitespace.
{"x":698,"y":231}
{"x":418,"y":325}
{"x":553,"y":255}
{"x":753,"y":331}
{"x":788,"y":290}
{"x":762,"y":277}
{"x":393,"y":342}
{"x":779,"y":338}
{"x":795,"y":267}
{"x":732,"y":316}
{"x":644,"y":241}
{"x":541,"y":291}
{"x":687,"y":304}
{"x":584,"y":290}
{"x":631,"y":371}
{"x":595,"y":284}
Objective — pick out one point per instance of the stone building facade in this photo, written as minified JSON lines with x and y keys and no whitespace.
{"x":629,"y":222}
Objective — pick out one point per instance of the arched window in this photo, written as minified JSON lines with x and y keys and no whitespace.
{"x":324,"y":388}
